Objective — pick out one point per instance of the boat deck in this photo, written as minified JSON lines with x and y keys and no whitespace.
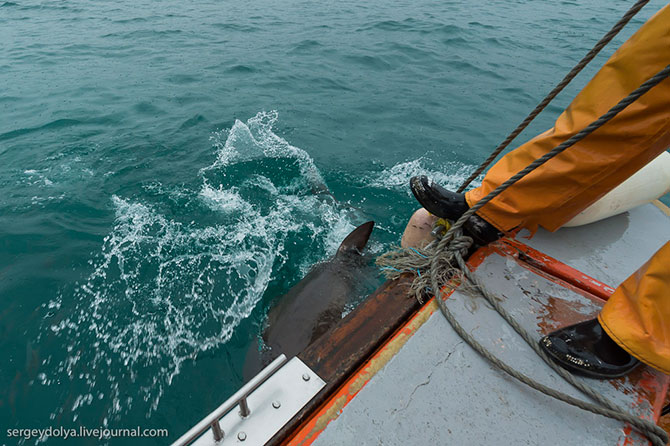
{"x":426,"y":386}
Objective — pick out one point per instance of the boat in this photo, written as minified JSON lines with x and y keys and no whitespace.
{"x":394,"y":372}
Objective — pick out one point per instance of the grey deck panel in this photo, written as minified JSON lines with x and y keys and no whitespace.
{"x":437,"y":390}
{"x":609,"y":250}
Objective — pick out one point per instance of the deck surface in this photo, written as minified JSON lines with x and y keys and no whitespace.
{"x":608,"y":250}
{"x":437,"y":390}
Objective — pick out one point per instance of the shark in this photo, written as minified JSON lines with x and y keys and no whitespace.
{"x":315,"y":304}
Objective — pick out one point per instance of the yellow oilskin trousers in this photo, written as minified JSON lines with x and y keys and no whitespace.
{"x":637,"y":316}
{"x":569,"y":183}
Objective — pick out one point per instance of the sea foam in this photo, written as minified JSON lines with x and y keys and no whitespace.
{"x":162,"y":290}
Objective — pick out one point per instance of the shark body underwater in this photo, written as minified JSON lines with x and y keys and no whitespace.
{"x":313,"y":305}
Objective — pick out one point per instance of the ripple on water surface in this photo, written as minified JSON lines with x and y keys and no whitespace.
{"x":162,"y":290}
{"x":105,"y":111}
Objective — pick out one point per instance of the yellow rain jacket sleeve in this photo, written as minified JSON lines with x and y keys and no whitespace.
{"x":637,"y":316}
{"x":569,"y":183}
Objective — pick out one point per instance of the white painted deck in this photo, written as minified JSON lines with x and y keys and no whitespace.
{"x":437,"y":390}
{"x":608,"y":250}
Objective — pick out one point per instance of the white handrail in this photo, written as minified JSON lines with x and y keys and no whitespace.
{"x":239,"y":398}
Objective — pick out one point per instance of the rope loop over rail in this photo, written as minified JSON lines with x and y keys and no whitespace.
{"x":440,"y":262}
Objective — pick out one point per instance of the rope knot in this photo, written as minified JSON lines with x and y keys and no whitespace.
{"x":460,"y":244}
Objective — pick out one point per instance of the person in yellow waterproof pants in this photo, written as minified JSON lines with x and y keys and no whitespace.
{"x":634,"y":324}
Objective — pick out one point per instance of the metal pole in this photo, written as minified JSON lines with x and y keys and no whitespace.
{"x":216,"y":430}
{"x":244,"y":407}
{"x":230,"y":403}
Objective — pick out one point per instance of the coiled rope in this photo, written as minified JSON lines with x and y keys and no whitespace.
{"x":557,"y":89}
{"x":442,"y":261}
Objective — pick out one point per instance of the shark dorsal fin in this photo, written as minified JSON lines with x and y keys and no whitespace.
{"x":356,"y":240}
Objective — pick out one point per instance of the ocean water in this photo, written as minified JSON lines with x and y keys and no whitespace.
{"x":168,"y":169}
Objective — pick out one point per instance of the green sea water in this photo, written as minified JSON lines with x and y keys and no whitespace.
{"x":168,"y":169}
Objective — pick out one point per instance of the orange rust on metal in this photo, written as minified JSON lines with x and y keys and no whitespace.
{"x":651,"y":388}
{"x":332,"y":408}
{"x":560,"y":270}
{"x":478,"y":257}
{"x":557,"y":311}
{"x":664,"y":423}
{"x":504,"y":248}
{"x":628,"y":439}
{"x":342,"y":350}
{"x":334,"y":398}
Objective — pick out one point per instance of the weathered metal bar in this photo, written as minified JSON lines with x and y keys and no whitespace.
{"x":345,"y":347}
{"x":244,"y":407}
{"x":216,"y":430}
{"x":213,"y":418}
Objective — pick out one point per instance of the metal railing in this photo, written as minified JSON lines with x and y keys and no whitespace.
{"x":238,"y":399}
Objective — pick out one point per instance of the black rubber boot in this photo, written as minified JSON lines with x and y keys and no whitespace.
{"x":451,"y":205}
{"x":586,"y":349}
{"x":436,"y":199}
{"x":481,"y":231}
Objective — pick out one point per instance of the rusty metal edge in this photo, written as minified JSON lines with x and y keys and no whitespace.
{"x":391,"y":298}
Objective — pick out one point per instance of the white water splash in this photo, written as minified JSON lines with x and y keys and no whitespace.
{"x":225,"y":200}
{"x":397,"y":177}
{"x":163,"y":291}
{"x":255,"y":139}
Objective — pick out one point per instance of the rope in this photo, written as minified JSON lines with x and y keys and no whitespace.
{"x":657,"y":435}
{"x":444,"y":260}
{"x":557,"y":89}
{"x":625,"y":102}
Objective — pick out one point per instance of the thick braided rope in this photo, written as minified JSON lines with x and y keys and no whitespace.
{"x":429,"y":258}
{"x":611,"y":113}
{"x":657,"y":435}
{"x":437,"y":262}
{"x":557,"y":89}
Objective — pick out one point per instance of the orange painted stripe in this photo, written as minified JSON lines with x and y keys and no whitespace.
{"x":551,"y":268}
{"x":309,"y":431}
{"x":560,"y":270}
